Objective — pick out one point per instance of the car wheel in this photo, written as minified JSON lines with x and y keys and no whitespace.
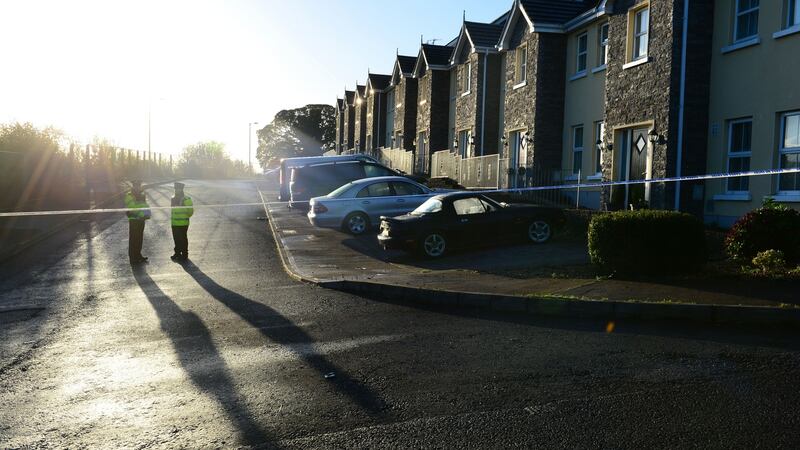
{"x":356,"y":223}
{"x":433,"y":245}
{"x":539,"y":231}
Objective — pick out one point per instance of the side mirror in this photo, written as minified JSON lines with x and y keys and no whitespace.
{"x":504,"y":204}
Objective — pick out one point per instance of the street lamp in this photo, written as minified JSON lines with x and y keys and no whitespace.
{"x":250,"y":145}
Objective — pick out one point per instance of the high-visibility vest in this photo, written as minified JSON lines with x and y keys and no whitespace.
{"x":180,"y":216}
{"x":132,"y":202}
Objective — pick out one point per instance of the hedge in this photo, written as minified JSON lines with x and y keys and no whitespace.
{"x":647,"y":241}
{"x":772,"y":227}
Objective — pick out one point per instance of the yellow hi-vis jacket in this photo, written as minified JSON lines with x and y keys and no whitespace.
{"x":132,"y":202}
{"x":180,"y":216}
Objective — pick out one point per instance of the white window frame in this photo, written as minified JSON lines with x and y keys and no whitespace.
{"x":521,"y":65}
{"x":577,"y":151}
{"x":731,"y":155}
{"x":736,"y":16}
{"x":602,"y":45}
{"x":782,"y":150}
{"x":641,"y":34}
{"x":791,"y":15}
{"x":463,"y":142}
{"x":581,"y":55}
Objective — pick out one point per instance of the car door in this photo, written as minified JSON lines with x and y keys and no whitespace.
{"x":407,"y":196}
{"x":376,"y":200}
{"x":471,"y":221}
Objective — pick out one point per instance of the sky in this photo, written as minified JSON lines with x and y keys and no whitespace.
{"x":191,"y":71}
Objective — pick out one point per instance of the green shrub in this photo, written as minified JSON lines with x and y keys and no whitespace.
{"x":771,"y":227}
{"x":770,"y":262}
{"x":647,"y":241}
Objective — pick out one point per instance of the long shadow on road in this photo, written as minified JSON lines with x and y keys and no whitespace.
{"x":283,"y":331}
{"x":212,"y":378}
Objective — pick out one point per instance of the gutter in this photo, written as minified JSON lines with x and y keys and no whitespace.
{"x":483,"y":101}
{"x":681,"y":108}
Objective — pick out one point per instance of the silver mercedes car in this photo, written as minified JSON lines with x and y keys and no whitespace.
{"x":357,"y":206}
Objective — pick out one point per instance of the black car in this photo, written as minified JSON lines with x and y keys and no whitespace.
{"x":320,"y":179}
{"x":460,"y":219}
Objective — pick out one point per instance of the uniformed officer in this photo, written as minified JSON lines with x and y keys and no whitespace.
{"x":181,"y":211}
{"x":135,"y":199}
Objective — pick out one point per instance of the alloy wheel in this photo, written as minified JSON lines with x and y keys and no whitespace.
{"x":357,"y":224}
{"x":434,"y":245}
{"x":539,"y":231}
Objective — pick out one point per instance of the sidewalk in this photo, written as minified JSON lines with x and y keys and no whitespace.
{"x":521,"y":277}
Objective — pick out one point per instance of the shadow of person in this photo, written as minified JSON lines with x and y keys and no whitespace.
{"x":283,"y":331}
{"x":200,"y":359}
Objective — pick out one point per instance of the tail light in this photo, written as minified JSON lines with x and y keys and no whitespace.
{"x":320,"y":208}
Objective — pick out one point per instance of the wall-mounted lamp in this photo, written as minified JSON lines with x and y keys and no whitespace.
{"x":600,"y":146}
{"x":504,"y":140}
{"x":527,"y":137}
{"x":655,"y":138}
{"x":455,"y":143}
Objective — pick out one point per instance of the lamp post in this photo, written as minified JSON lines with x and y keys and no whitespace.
{"x":250,"y":145}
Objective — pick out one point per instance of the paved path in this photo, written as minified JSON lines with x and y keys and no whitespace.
{"x":229,"y":351}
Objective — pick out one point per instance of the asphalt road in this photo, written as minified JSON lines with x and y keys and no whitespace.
{"x":228,"y":351}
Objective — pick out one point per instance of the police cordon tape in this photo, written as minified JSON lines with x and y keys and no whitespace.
{"x":712,"y":176}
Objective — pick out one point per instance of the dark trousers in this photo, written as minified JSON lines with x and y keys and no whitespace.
{"x":135,"y":239}
{"x":181,"y":240}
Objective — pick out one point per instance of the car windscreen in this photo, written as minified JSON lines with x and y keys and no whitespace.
{"x":432,"y":205}
{"x":340,"y":190}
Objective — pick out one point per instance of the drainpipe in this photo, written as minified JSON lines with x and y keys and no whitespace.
{"x":483,"y":101}
{"x":681,"y":108}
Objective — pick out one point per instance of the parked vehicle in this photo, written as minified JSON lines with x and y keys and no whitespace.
{"x":357,"y":206}
{"x":287,"y":164}
{"x":320,"y":179}
{"x":462,"y":219}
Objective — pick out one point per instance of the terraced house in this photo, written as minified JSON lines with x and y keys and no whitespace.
{"x":375,"y":100}
{"x":620,"y":90}
{"x":348,"y":117}
{"x":339,"y":138}
{"x":475,"y":89}
{"x":432,"y":72}
{"x":401,"y":103}
{"x":360,"y":118}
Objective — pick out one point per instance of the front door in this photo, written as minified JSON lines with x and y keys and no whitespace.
{"x":519,"y":159}
{"x":422,"y":154}
{"x":637,"y":193}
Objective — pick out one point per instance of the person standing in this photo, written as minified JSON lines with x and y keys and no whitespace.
{"x":138,"y":213}
{"x":182,"y":210}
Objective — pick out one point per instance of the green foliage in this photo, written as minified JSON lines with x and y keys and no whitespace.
{"x":647,"y":241}
{"x":209,"y":160}
{"x":770,"y":261}
{"x":306,"y":131}
{"x":773,"y":226}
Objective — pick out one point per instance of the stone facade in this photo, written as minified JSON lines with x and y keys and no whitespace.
{"x":405,"y":115}
{"x":648,"y":95}
{"x":360,"y":119}
{"x":339,"y":139}
{"x":433,"y":111}
{"x":538,"y":105}
{"x":348,"y":116}
{"x":376,"y":119}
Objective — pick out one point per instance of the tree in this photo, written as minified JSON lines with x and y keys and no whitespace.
{"x":306,"y":131}
{"x":209,"y":160}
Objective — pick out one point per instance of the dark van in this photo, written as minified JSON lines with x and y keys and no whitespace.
{"x":316,"y":180}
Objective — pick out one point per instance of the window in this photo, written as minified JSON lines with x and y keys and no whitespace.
{"x":641,"y":27}
{"x":577,"y":148}
{"x":463,"y":143}
{"x":521,"y":64}
{"x":789,"y":152}
{"x":518,"y":148}
{"x":488,"y":206}
{"x":423,"y":91}
{"x":466,"y":78}
{"x":375,"y":190}
{"x":792,"y":15}
{"x":468,"y":206}
{"x":401,"y":188}
{"x":599,"y":132}
{"x":746,"y":22}
{"x":602,"y":45}
{"x":581,"y":52}
{"x":740,"y":135}
{"x":432,"y":205}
